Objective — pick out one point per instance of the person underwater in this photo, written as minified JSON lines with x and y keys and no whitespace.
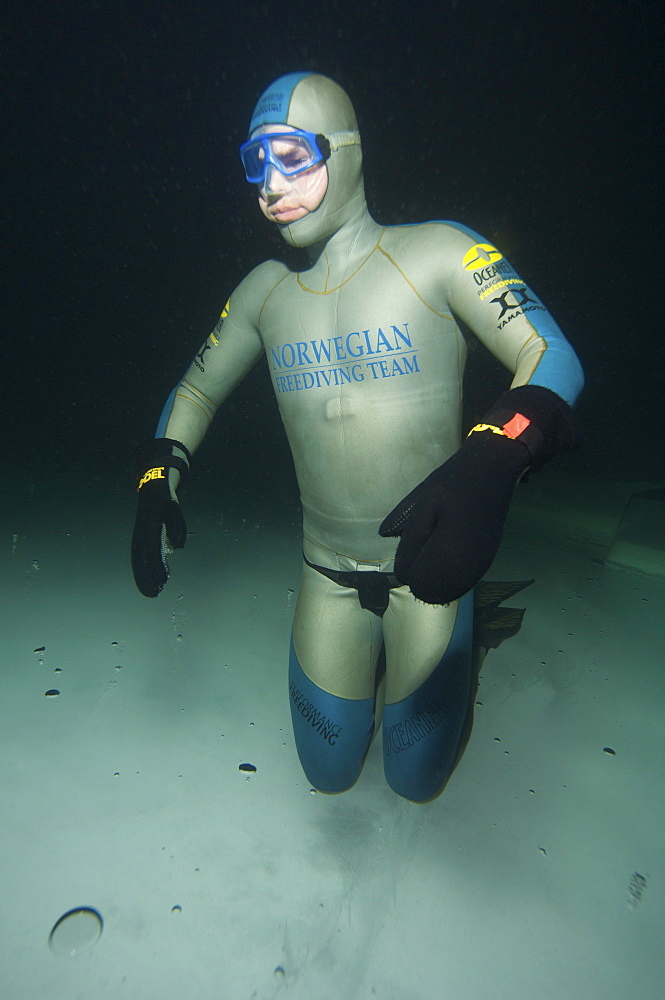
{"x":401,"y":518}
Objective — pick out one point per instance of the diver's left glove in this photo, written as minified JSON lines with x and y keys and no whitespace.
{"x":451,"y":523}
{"x":159,"y":522}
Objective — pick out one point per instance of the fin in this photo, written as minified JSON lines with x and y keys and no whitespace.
{"x":495,"y":591}
{"x":503,"y":623}
{"x":492,"y":624}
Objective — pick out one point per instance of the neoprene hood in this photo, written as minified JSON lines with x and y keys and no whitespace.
{"x":315,"y":103}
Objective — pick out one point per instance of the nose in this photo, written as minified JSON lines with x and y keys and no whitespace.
{"x":274,"y":184}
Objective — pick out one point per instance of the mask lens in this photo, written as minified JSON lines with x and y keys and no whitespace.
{"x":289,"y":152}
{"x":291,"y":155}
{"x":253,"y":160}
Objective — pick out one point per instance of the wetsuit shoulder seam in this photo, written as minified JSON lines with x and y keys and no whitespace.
{"x":391,"y":260}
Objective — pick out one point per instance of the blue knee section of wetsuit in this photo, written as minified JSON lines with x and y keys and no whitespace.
{"x":332,"y":734}
{"x":421,"y":733}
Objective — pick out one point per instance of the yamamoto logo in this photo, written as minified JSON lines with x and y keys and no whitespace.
{"x":480,"y":256}
{"x":515,"y":302}
{"x":514,"y":298}
{"x":198,"y":360}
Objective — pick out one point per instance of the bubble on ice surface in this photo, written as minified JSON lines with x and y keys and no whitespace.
{"x":76,"y":930}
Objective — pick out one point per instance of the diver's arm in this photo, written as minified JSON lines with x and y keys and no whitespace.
{"x":162,"y":463}
{"x":225,"y":357}
{"x":506,"y":315}
{"x":451,"y":523}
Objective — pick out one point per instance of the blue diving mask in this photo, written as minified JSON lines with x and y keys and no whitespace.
{"x":289,"y":152}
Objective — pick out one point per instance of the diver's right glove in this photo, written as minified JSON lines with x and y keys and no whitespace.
{"x":159,"y":521}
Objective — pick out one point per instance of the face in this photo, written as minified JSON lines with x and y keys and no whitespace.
{"x":286,"y":199}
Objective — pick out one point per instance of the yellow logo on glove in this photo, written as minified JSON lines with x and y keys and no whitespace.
{"x":486,"y":427}
{"x":156,"y":473}
{"x":512,"y":429}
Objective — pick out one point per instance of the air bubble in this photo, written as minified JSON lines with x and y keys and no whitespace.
{"x":75,"y":930}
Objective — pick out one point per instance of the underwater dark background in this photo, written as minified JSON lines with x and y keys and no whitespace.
{"x":128,"y":221}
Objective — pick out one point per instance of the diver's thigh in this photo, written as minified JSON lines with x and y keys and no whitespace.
{"x":416,"y":637}
{"x":422,"y":727}
{"x":332,"y":666}
{"x":336,"y":642}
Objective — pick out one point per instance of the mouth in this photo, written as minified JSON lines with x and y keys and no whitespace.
{"x":284,"y":214}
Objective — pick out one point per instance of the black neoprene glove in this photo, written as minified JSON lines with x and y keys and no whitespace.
{"x":451,"y":523}
{"x":158,"y":517}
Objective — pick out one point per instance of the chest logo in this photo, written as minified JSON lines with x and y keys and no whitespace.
{"x":347,"y":358}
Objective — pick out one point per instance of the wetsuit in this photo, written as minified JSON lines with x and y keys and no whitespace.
{"x":366,"y":359}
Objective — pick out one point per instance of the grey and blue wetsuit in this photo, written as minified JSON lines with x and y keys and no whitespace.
{"x":366,"y":358}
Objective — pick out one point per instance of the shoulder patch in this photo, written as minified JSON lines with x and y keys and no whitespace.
{"x":481,"y":255}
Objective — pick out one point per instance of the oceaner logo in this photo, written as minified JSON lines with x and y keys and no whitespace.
{"x":404,"y":734}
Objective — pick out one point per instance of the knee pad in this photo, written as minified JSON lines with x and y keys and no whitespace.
{"x":332,"y":734}
{"x":421,"y":733}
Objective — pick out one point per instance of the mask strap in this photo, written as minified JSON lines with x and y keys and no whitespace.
{"x":339,"y":139}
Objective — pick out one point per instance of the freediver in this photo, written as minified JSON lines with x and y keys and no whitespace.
{"x":401,"y":518}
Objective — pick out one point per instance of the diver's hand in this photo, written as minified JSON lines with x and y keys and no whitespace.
{"x":451,"y":524}
{"x":159,"y":524}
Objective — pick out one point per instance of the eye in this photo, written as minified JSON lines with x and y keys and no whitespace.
{"x":294,"y":158}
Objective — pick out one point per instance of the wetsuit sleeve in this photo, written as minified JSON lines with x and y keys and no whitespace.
{"x":225,"y":357}
{"x":508,"y":317}
{"x":450,"y":525}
